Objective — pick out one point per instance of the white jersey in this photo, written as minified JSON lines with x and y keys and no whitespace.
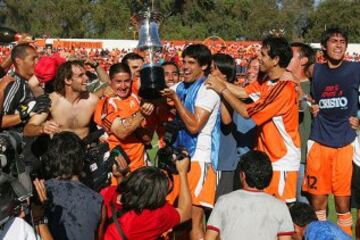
{"x":208,"y":100}
{"x":245,"y":214}
{"x":17,"y":229}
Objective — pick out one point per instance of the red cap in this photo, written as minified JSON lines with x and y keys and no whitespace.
{"x":46,"y":67}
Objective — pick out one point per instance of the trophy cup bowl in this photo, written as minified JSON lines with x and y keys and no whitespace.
{"x":147,"y":20}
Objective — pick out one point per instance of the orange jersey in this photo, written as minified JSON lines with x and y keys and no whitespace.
{"x":276,"y":115}
{"x":165,"y":112}
{"x":121,"y":108}
{"x":135,"y":85}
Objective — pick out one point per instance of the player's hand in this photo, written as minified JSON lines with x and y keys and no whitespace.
{"x":43,"y":104}
{"x":50,"y":127}
{"x":41,"y":190}
{"x":169,"y":93}
{"x":314,"y":109}
{"x":39,"y":105}
{"x":147,"y":109}
{"x":354,"y":122}
{"x":182,"y":165}
{"x":120,"y":168}
{"x":215,"y":83}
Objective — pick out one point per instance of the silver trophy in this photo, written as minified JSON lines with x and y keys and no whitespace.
{"x":147,"y":17}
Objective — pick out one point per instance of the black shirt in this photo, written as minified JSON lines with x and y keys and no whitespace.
{"x":74,"y":210}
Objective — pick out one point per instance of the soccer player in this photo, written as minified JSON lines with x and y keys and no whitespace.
{"x":335,"y":87}
{"x":275,"y":113}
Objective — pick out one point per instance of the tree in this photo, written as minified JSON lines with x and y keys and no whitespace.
{"x":330,"y":13}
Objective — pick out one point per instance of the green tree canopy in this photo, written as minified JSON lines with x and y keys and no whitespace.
{"x":184,"y":19}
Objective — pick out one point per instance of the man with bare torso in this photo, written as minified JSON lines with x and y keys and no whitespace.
{"x":72,"y":105}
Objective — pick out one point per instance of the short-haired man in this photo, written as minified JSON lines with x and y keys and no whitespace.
{"x":72,"y":106}
{"x":303,"y":58}
{"x":198,"y":109}
{"x":135,"y":63}
{"x":332,"y":146}
{"x":308,"y":227}
{"x":18,"y":103}
{"x":171,"y":73}
{"x":250,"y":213}
{"x":123,"y":116}
{"x":275,"y":113}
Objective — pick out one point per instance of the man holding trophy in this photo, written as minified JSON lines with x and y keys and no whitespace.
{"x":197,"y":110}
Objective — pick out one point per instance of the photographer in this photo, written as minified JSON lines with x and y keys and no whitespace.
{"x":140,"y":202}
{"x":13,"y":205}
{"x":72,"y":210}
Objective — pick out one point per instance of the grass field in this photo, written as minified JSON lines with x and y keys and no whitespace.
{"x":331,"y":214}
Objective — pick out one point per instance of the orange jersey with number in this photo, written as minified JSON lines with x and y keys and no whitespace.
{"x":275,"y":113}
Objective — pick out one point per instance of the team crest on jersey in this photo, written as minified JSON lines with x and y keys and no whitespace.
{"x":132,"y":104}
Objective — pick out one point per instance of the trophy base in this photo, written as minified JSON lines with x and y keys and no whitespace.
{"x":152,"y":81}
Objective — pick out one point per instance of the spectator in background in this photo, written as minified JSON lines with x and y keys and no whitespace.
{"x":135,"y":62}
{"x":253,"y":70}
{"x":240,"y":75}
{"x":171,"y":73}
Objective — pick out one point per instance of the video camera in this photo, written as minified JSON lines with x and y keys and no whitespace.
{"x":165,"y":154}
{"x":11,"y":145}
{"x":13,"y":195}
{"x":99,"y":161}
{"x":13,"y":198}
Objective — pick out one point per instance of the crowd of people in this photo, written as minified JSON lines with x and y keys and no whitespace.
{"x":250,"y":149}
{"x":242,"y":52}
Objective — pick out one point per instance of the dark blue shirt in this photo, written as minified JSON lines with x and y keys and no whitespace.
{"x":73,"y":211}
{"x":336,"y":91}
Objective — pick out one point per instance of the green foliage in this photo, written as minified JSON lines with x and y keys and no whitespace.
{"x":184,"y":19}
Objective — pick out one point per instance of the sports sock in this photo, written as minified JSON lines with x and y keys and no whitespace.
{"x":321,"y":214}
{"x":344,"y":220}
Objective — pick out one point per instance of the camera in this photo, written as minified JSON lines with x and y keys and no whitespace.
{"x":165,"y":155}
{"x":13,"y":194}
{"x":11,"y":145}
{"x":99,"y":161}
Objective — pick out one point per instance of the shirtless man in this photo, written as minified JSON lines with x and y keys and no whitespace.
{"x":72,"y":105}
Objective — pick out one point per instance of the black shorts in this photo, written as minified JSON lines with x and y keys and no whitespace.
{"x":355,"y":187}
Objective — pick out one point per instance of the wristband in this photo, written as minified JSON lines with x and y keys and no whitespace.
{"x":44,"y":220}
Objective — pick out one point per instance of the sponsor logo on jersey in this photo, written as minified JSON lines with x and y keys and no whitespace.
{"x":338,"y":102}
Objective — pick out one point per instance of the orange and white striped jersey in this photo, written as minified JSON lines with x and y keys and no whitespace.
{"x":275,"y":113}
